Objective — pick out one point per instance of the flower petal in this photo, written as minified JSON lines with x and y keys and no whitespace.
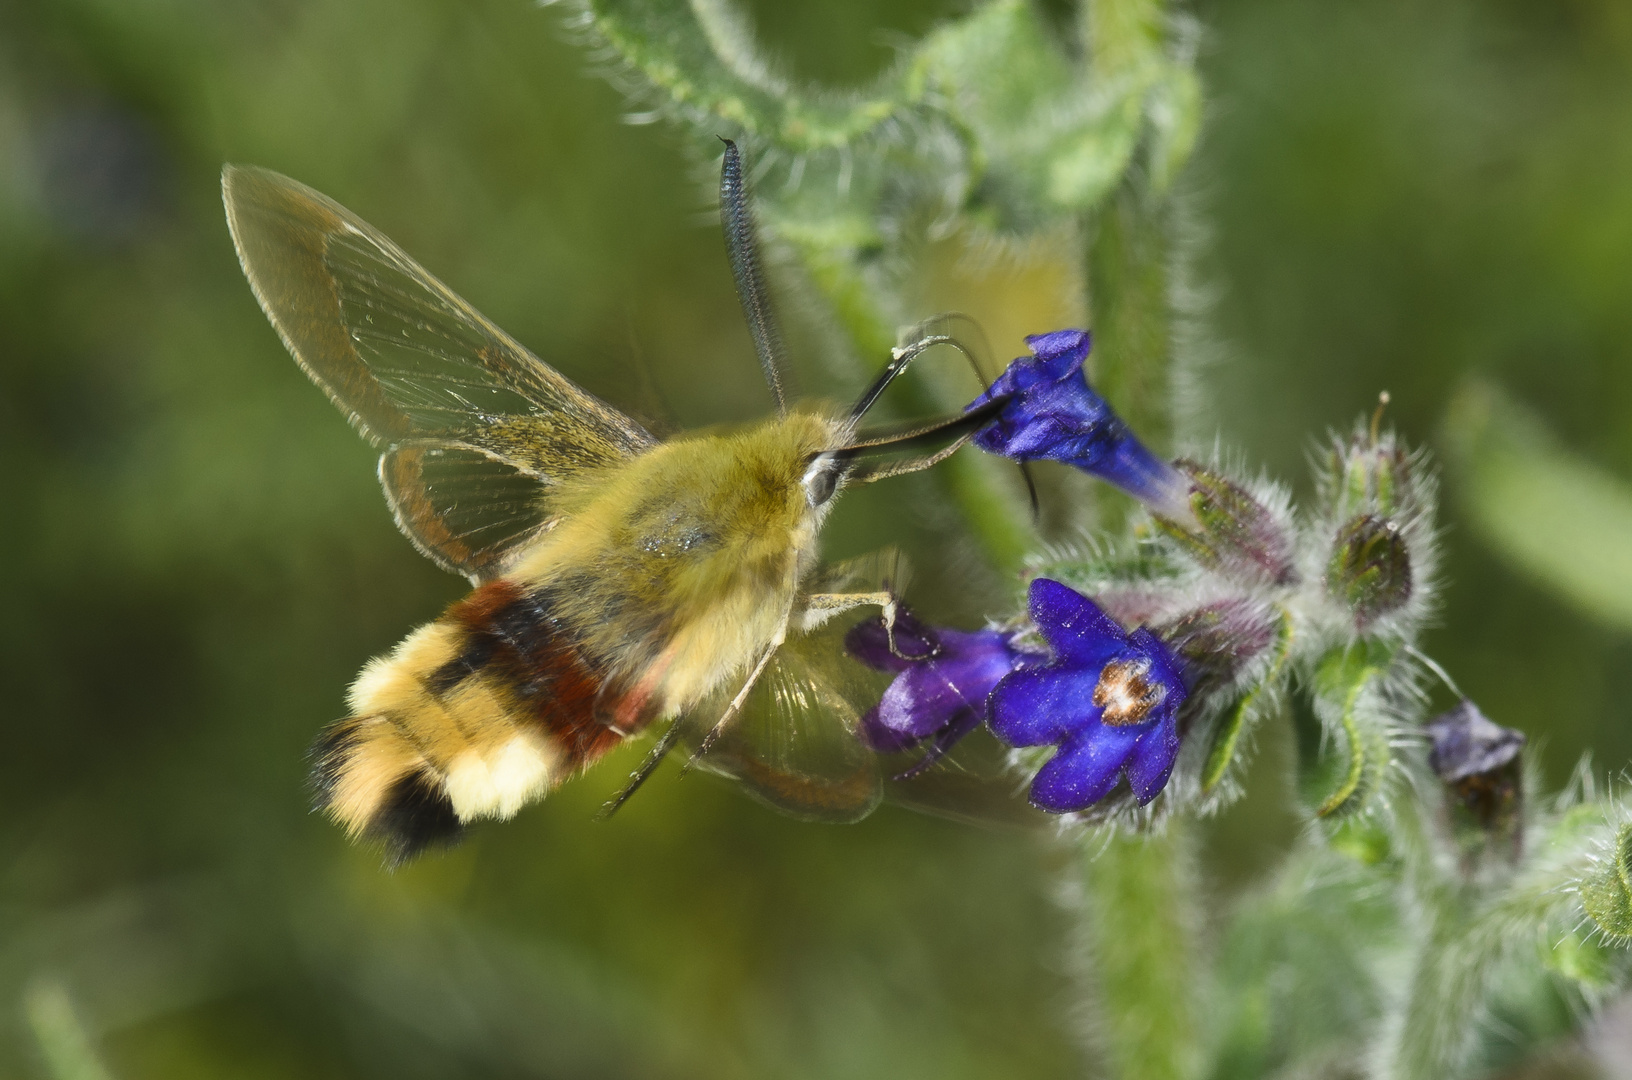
{"x":1075,"y":626}
{"x":931,"y":696}
{"x":1054,"y":414}
{"x":1151,"y":762}
{"x":1464,"y":743}
{"x":922,"y":697}
{"x":1164,"y":666}
{"x":1042,"y":705}
{"x":881,"y":736}
{"x":1084,"y":771}
{"x":1063,"y":351}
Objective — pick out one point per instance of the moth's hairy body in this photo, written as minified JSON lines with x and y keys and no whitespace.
{"x":690,"y":557}
{"x":619,"y":579}
{"x":662,"y":581}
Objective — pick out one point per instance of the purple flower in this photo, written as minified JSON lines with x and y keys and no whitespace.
{"x":1055,"y":415}
{"x":1478,"y":759}
{"x":944,"y":678}
{"x":1108,"y":699}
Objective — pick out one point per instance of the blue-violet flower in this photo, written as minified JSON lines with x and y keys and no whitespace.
{"x":1109,"y":698}
{"x":1055,"y":415}
{"x":944,"y":679}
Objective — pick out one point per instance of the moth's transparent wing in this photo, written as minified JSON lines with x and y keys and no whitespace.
{"x":794,"y":746}
{"x":974,"y":782}
{"x":464,"y":509}
{"x":884,"y":570}
{"x":457,"y":404}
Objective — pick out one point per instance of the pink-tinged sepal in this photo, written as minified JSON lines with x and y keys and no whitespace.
{"x":1231,"y":531}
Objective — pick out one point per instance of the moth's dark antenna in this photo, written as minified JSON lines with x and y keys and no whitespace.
{"x":642,"y":774}
{"x":742,"y":245}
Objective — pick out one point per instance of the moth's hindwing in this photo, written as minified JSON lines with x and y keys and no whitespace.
{"x":795,"y":745}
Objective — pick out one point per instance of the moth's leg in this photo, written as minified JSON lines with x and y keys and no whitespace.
{"x":817,"y":608}
{"x":879,"y":571}
{"x":647,"y":768}
{"x":735,"y":707}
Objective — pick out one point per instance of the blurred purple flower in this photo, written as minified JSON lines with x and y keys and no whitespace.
{"x":1055,"y":415}
{"x":944,"y":678}
{"x":1109,"y":699}
{"x":1480,"y":761}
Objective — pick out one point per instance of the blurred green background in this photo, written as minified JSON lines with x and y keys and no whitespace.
{"x":197,"y":559}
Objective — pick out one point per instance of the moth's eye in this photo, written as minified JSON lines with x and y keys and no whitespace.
{"x":821,"y":480}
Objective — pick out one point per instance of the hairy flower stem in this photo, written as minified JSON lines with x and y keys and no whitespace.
{"x":1127,"y":264}
{"x":1140,"y":936}
{"x":1469,"y":934}
{"x":1127,"y":237}
{"x":1137,"y":917}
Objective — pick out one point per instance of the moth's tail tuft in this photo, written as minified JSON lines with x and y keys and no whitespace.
{"x":375,"y":783}
{"x":470,"y":717}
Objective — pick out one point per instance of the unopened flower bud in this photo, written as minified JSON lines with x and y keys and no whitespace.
{"x":1370,"y":568}
{"x":1217,"y":640}
{"x":1479,"y":761}
{"x":1233,"y":532}
{"x":1606,"y":893}
{"x":1369,"y":472}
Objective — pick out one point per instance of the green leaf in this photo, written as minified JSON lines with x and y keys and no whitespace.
{"x":1563,"y":521}
{"x":1046,"y":136}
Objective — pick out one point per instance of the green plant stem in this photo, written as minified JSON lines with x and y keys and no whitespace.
{"x":1141,"y":952}
{"x":1467,"y":934}
{"x":1127,"y":260}
{"x":1138,"y":920}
